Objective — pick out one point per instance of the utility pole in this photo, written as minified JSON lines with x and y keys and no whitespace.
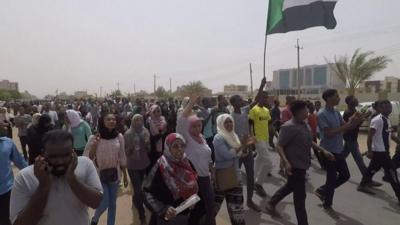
{"x":155,"y":77}
{"x":298,"y":68}
{"x":134,"y":88}
{"x":251,"y":82}
{"x":101,"y":91}
{"x":118,"y":86}
{"x":170,"y":85}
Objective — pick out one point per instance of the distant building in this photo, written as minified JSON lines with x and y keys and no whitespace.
{"x":7,"y":85}
{"x":313,"y":79}
{"x":236,"y":89}
{"x":389,"y":84}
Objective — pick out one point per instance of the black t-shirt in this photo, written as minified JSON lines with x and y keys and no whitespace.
{"x":350,"y":135}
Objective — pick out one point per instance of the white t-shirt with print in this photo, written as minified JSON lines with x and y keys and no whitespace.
{"x":377,"y":140}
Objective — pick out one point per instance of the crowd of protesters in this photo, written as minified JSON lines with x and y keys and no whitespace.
{"x":81,"y":152}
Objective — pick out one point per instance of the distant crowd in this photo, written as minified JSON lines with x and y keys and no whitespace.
{"x":78,"y":154}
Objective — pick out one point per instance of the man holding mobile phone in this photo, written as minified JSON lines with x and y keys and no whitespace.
{"x":58,"y":188}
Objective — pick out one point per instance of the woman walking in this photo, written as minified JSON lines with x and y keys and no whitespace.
{"x":170,"y":182}
{"x":158,"y":127}
{"x":199,"y":154}
{"x":107,"y":150}
{"x":137,"y":148}
{"x":79,"y":129}
{"x":228,"y":179}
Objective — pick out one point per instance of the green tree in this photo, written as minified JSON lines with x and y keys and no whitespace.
{"x":193,"y":88}
{"x":360,"y":67}
{"x":6,"y":95}
{"x":161,"y":93}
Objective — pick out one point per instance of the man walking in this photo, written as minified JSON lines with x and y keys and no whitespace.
{"x":294,"y":146}
{"x":378,"y":143}
{"x":332,"y":127}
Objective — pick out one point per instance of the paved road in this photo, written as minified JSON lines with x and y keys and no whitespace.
{"x":353,"y":207}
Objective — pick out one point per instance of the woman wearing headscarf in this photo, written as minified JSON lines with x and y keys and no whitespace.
{"x":199,"y":154}
{"x":137,"y":148}
{"x":107,"y":150}
{"x":158,"y":127}
{"x":227,"y":150}
{"x":79,"y":129}
{"x":35,"y":135}
{"x":170,"y":182}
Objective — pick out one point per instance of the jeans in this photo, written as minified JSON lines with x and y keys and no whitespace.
{"x":248,"y":162}
{"x":352,"y":147}
{"x":108,"y":202}
{"x":5,"y":208}
{"x":296,"y":183}
{"x":24,"y":143}
{"x":206,"y":206}
{"x":379,"y":160}
{"x":136,"y":177}
{"x":337,"y":173}
{"x":263,"y":162}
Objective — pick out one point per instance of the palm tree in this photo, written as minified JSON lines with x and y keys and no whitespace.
{"x":359,"y":68}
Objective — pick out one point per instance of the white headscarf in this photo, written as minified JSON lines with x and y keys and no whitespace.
{"x":230,"y":137}
{"x":74,"y":118}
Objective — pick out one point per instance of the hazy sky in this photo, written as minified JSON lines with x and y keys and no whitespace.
{"x":73,"y":45}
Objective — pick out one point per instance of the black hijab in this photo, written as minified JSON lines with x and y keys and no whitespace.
{"x":104,"y":132}
{"x":43,"y":124}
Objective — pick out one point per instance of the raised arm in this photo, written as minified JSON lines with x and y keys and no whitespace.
{"x":187,"y":111}
{"x":260,"y":90}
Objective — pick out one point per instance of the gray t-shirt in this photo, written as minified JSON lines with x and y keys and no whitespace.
{"x":296,"y":140}
{"x":63,"y":207}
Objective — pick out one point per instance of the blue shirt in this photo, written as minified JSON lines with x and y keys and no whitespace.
{"x":8,"y":154}
{"x":225,"y":156}
{"x":330,"y":118}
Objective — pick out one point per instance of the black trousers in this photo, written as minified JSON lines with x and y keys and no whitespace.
{"x":5,"y":208}
{"x":211,"y":145}
{"x":337,"y":173}
{"x":24,"y":144}
{"x":379,"y":160}
{"x":295,"y":183}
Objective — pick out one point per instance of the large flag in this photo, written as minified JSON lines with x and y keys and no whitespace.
{"x":291,"y":15}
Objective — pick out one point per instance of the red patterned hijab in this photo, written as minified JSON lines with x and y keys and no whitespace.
{"x":179,"y":176}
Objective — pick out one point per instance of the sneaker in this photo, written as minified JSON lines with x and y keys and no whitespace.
{"x":253,"y":206}
{"x":272,"y":210}
{"x":365,"y":189}
{"x":374,"y":184}
{"x":260,"y":190}
{"x":319,"y":193}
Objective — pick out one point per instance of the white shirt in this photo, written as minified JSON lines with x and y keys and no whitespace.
{"x":63,"y":207}
{"x":198,"y":154}
{"x":377,"y":140}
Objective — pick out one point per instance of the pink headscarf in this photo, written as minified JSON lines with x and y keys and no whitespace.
{"x":157,"y":124}
{"x":193,"y":121}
